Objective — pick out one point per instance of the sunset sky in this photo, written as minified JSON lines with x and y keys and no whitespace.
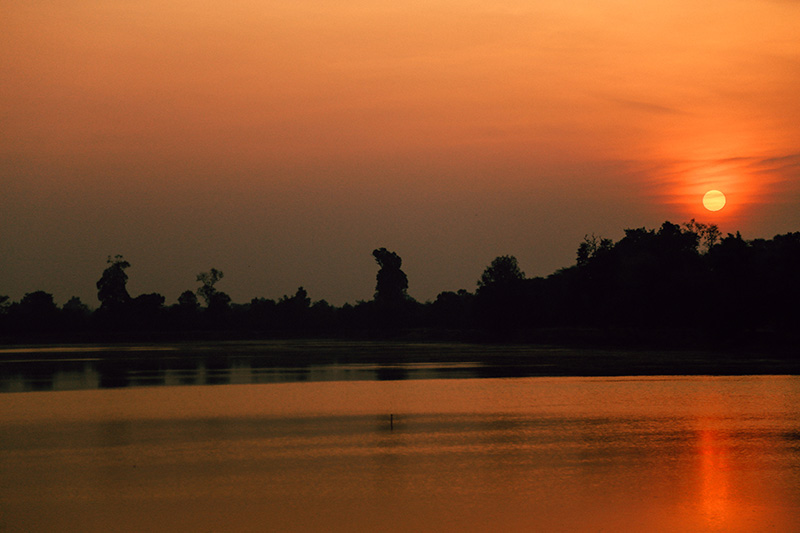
{"x":281,"y":142}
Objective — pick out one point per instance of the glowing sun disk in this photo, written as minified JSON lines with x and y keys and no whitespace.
{"x":714,"y":200}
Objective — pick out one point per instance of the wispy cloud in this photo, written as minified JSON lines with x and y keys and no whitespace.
{"x":642,"y":106}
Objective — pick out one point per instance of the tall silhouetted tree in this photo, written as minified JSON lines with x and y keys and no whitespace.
{"x":217,"y":313}
{"x":392,"y":307}
{"x":392,"y":282}
{"x":208,"y":280}
{"x":111,"y":287}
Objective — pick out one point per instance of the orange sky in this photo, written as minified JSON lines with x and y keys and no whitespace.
{"x":282,"y":141}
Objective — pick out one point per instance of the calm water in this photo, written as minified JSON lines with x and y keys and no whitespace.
{"x":61,"y":368}
{"x":509,"y":454}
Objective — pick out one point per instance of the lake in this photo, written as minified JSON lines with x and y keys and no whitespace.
{"x":646,"y":453}
{"x":278,"y":437}
{"x":59,"y":368}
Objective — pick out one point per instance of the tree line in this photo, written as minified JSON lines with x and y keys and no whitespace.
{"x":676,"y":285}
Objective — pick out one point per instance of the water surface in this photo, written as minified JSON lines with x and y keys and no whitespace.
{"x":548,"y":454}
{"x":58,"y":368}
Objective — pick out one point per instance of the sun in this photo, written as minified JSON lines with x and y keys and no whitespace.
{"x":714,"y":200}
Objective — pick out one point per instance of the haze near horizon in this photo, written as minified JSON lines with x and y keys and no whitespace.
{"x":283,"y":142}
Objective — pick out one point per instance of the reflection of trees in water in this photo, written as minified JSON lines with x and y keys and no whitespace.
{"x":46,"y":375}
{"x":126,"y":372}
{"x":515,"y":368}
{"x":185,"y":369}
{"x":112,"y":374}
{"x":148,"y":371}
{"x":391,"y":373}
{"x":217,"y":370}
{"x":39,"y":377}
{"x":283,"y":367}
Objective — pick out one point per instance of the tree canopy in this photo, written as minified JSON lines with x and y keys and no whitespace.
{"x":392,"y":282}
{"x":673,"y":283}
{"x":111,"y":287}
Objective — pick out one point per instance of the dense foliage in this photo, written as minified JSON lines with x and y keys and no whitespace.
{"x":677,"y":284}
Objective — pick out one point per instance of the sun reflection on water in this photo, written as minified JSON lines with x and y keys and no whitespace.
{"x":714,"y":467}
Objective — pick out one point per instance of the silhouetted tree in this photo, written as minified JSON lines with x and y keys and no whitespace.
{"x":76,"y":315}
{"x":293,"y":311}
{"x":4,"y":303}
{"x":670,"y":283}
{"x":208,"y":280}
{"x":452,"y":310}
{"x":392,"y":307}
{"x":708,"y":234}
{"x":568,"y":291}
{"x":184,"y":315}
{"x":148,"y":304}
{"x":35,"y":313}
{"x":502,"y":272}
{"x":585,"y":292}
{"x":147,"y":311}
{"x":261,"y":314}
{"x":111,"y":287}
{"x":76,"y":306}
{"x":734,"y":286}
{"x":591,"y":247}
{"x":322,"y":316}
{"x":650,"y":279}
{"x":219,"y":301}
{"x":656,"y":277}
{"x":38,"y":303}
{"x":778,"y":267}
{"x":674,"y":241}
{"x":500,"y":298}
{"x":300,"y":300}
{"x":218,"y":314}
{"x":392,"y":282}
{"x":188,"y":301}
